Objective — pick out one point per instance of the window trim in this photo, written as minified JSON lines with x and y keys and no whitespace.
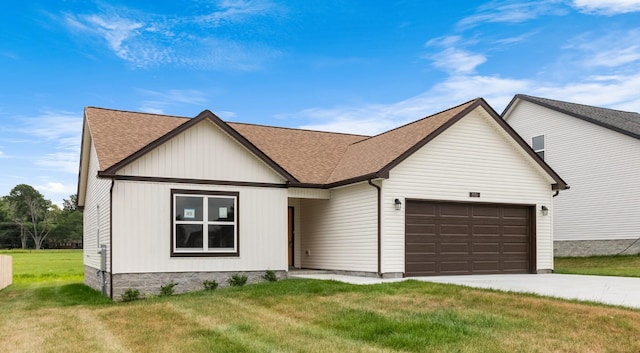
{"x":205,"y":194}
{"x":537,"y":151}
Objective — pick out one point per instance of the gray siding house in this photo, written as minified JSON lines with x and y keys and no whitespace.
{"x":598,"y":151}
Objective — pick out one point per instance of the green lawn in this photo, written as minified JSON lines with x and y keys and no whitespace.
{"x":626,"y":266}
{"x":307,"y":316}
{"x":30,"y":266}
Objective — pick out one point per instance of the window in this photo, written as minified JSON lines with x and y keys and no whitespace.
{"x":205,"y":223}
{"x":537,"y":142}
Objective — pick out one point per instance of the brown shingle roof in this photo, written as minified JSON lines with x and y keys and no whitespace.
{"x":373,"y":154}
{"x":310,"y":156}
{"x":118,"y":134}
{"x":300,"y":156}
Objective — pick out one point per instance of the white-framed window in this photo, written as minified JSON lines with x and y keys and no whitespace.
{"x":205,"y":223}
{"x":537,"y":143}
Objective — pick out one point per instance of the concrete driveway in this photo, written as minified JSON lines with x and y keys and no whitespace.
{"x":623,"y":291}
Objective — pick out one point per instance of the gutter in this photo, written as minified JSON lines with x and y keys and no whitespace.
{"x":379,"y":189}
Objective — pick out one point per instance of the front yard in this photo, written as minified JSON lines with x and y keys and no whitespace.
{"x":58,"y":315}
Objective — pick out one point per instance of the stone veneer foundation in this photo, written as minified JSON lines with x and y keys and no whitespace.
{"x":596,"y":247}
{"x":150,"y":283}
{"x":93,"y":279}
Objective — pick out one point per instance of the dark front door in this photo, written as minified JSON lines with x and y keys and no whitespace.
{"x":290,"y":242}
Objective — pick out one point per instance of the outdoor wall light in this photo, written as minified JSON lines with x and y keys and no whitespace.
{"x":398,"y":204}
{"x":545,"y":210}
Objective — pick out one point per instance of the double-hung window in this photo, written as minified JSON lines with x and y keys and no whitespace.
{"x":205,"y":223}
{"x":537,"y":143}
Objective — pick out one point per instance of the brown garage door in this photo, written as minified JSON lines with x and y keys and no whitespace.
{"x":462,"y":238}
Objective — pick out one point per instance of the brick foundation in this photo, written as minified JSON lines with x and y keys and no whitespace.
{"x":595,"y":247}
{"x":150,"y":283}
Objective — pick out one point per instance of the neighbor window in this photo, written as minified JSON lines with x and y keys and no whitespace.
{"x":537,"y":143}
{"x":205,"y":223}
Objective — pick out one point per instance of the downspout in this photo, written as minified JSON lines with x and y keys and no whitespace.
{"x":113,"y":182}
{"x":556,"y":194}
{"x":379,"y":230}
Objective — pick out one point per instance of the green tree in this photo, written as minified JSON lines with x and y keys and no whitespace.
{"x":31,"y":212}
{"x":68,"y":222}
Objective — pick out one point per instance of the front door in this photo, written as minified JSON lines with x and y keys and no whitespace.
{"x":290,"y":242}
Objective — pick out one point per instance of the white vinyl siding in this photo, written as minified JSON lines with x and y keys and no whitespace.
{"x":203,"y":152}
{"x":97,"y":196}
{"x":142,"y":221}
{"x":341,"y":233}
{"x":602,"y":167}
{"x":473,"y":155}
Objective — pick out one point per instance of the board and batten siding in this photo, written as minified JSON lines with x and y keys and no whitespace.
{"x":473,"y":155}
{"x":95,"y":221}
{"x":142,"y":221}
{"x":203,"y":151}
{"x":341,"y":233}
{"x":601,"y":166}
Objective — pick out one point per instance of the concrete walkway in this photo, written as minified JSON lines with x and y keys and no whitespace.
{"x":623,"y":291}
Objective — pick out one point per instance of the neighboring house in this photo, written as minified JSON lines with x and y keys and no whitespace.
{"x":170,"y":199}
{"x":598,"y":151}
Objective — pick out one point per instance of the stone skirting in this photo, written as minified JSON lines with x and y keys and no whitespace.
{"x":150,"y":283}
{"x":572,"y":248}
{"x":93,"y":279}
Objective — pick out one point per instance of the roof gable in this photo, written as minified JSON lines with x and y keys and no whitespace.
{"x":627,"y":123}
{"x":303,"y":157}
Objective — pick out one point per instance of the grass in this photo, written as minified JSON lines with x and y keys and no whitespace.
{"x":308,"y":316}
{"x":625,"y":266}
{"x":32,"y":266}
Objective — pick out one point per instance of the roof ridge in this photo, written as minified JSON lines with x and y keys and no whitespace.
{"x":582,"y":104}
{"x":298,"y":129}
{"x":416,"y":121}
{"x":134,"y":112}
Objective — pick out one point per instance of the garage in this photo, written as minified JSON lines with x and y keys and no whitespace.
{"x":443,"y":238}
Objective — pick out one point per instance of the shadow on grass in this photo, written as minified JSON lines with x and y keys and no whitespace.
{"x":52,"y":295}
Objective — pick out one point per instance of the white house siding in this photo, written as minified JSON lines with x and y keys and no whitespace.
{"x":601,"y":166}
{"x":341,"y":233}
{"x":97,"y":195}
{"x":202,"y":152}
{"x":142,"y":230}
{"x":473,"y":155}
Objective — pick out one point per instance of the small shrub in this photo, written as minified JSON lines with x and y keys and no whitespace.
{"x":270,"y":276}
{"x":130,"y":295}
{"x":167,"y":289}
{"x":238,"y":280}
{"x":210,"y":285}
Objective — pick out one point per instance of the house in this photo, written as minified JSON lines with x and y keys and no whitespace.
{"x":598,"y":150}
{"x":171,"y":199}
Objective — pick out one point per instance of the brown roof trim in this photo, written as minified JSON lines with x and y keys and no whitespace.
{"x":336,"y":184}
{"x":190,"y":181}
{"x":80,"y":201}
{"x":531,"y":99}
{"x":204,"y":115}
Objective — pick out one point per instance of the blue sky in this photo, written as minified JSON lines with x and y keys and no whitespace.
{"x":349,"y":66}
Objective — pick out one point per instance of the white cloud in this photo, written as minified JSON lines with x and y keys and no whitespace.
{"x":606,"y":7}
{"x":62,"y":131}
{"x":616,"y":92}
{"x":56,"y":188}
{"x":457,"y":61}
{"x":512,"y":12}
{"x":160,"y":100}
{"x":611,"y":49}
{"x":147,"y":40}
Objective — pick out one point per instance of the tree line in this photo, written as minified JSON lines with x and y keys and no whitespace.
{"x":28,"y":220}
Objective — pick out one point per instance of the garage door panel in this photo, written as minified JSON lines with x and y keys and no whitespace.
{"x":466,"y":239}
{"x":452,"y":210}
